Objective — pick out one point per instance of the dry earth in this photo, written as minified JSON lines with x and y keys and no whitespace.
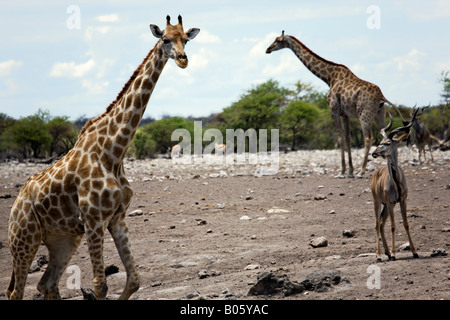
{"x":206,"y":231}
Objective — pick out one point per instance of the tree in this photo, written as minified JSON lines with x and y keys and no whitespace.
{"x":299,"y":118}
{"x":445,"y":80}
{"x":143,"y":145}
{"x":306,"y":92}
{"x":161,"y":131}
{"x":258,"y":109}
{"x":443,"y":109}
{"x":27,"y":135}
{"x":64,"y":135}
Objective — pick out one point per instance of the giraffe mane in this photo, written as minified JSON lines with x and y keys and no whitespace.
{"x":315,"y":54}
{"x":119,"y":96}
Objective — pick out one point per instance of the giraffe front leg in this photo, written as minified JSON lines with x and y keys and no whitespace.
{"x":94,"y":237}
{"x":119,"y":232}
{"x":337,"y":122}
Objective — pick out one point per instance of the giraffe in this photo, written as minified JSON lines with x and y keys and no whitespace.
{"x":86,"y":191}
{"x":348,"y":97}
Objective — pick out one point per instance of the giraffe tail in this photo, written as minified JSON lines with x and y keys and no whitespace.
{"x":395,"y":107}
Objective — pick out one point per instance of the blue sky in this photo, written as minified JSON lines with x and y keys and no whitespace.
{"x":402,"y":46}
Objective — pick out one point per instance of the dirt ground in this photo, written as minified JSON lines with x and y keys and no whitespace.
{"x":208,"y":231}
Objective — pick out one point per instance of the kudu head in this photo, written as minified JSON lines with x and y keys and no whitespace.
{"x":388,"y":146}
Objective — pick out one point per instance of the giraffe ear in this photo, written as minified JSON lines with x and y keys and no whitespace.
{"x":156,"y":31}
{"x":192,"y":33}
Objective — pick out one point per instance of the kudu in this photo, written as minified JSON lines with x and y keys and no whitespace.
{"x":423,"y":137}
{"x":388,"y":186}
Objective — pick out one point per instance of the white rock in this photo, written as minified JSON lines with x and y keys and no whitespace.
{"x":277,"y":210}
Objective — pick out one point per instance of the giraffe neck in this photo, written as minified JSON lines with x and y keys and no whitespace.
{"x":110,"y":134}
{"x":320,"y":67}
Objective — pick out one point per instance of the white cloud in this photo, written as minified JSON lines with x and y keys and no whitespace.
{"x":71,"y":69}
{"x":259,"y":49}
{"x":9,"y":87}
{"x":285,"y":66}
{"x":357,"y":68}
{"x":411,"y":60}
{"x":108,"y":18}
{"x":426,"y":10}
{"x":89,"y":33}
{"x":200,"y":60}
{"x":8,"y":66}
{"x":94,"y":87}
{"x":205,"y":37}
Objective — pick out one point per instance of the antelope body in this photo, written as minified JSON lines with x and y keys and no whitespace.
{"x":389,"y":187}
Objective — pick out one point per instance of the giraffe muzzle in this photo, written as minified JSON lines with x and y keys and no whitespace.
{"x":181,"y":60}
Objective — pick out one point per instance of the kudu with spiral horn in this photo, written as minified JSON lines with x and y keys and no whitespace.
{"x":388,"y":186}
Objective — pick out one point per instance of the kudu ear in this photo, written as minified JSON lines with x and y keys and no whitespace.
{"x":403,"y":137}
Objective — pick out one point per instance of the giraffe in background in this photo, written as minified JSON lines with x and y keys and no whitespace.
{"x":348,"y":97}
{"x":86,"y":191}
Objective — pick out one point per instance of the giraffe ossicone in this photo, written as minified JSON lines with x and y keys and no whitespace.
{"x":348,"y":97}
{"x":86,"y":192}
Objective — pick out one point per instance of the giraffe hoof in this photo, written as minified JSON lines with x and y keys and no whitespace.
{"x":340,"y":176}
{"x":415,"y":255}
{"x":351,"y":176}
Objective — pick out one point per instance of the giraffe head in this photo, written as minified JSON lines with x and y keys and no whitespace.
{"x":175,"y":39}
{"x":279,"y":43}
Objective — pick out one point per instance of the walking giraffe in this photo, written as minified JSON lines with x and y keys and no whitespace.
{"x":349,"y":97}
{"x":86,"y":191}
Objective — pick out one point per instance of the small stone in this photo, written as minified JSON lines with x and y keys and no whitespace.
{"x":320,"y":197}
{"x":349,"y":233}
{"x":193,"y":295}
{"x":203,"y":274}
{"x":277,"y":210}
{"x":111,"y":269}
{"x":248,"y":198}
{"x":332,"y":212}
{"x":318,"y":242}
{"x":244,"y":218}
{"x":252,"y":267}
{"x":438,"y":252}
{"x":137,"y":212}
{"x":404,"y":247}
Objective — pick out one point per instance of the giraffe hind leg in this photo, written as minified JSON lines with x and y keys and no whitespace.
{"x":23,"y":245}
{"x":349,"y":146}
{"x":61,"y":249}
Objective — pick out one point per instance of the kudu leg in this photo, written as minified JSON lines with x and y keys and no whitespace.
{"x":406,"y":225}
